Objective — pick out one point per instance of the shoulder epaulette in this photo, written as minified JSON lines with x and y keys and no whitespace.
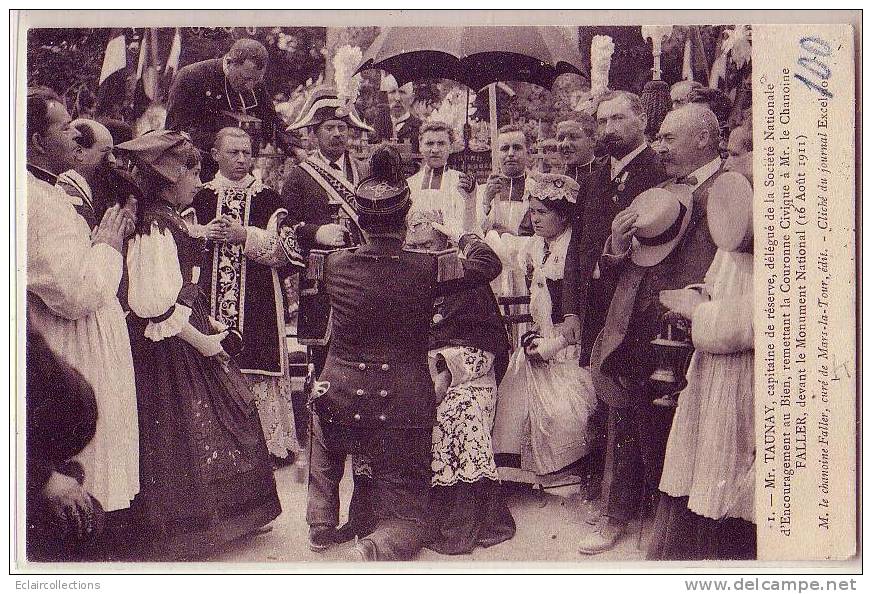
{"x":316,"y":260}
{"x":448,"y":265}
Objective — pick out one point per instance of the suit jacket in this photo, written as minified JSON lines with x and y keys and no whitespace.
{"x":600,"y":199}
{"x":634,"y":316}
{"x":410,"y":131}
{"x":199,"y":95}
{"x":382,"y":299}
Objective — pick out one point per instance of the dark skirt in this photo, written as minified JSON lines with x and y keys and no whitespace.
{"x":205,"y":473}
{"x":681,"y":535}
{"x":469,"y":515}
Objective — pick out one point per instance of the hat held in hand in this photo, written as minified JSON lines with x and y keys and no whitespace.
{"x":663,"y":216}
{"x":728,"y":212}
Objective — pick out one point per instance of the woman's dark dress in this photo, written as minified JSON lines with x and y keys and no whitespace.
{"x":205,"y":472}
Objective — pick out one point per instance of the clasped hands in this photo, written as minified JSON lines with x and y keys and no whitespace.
{"x":226,"y":229}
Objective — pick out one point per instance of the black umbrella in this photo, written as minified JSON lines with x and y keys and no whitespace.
{"x":475,"y":56}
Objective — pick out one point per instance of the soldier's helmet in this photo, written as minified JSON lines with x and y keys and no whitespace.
{"x":383,"y":199}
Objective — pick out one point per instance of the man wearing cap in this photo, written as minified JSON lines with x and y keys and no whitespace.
{"x":228,"y":91}
{"x":406,"y":126}
{"x":375,"y":398}
{"x":662,"y":244}
{"x":319,"y":196}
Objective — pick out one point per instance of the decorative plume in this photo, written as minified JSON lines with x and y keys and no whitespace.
{"x":345,"y":62}
{"x":386,"y":164}
{"x":601,"y":49}
{"x":656,"y":34}
{"x":453,"y":110}
{"x":738,"y":42}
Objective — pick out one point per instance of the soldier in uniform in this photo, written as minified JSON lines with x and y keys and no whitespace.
{"x":375,"y":398}
{"x":319,"y":196}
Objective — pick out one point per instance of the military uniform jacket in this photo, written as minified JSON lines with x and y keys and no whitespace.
{"x":382,"y":300}
{"x":600,"y":199}
{"x":314,"y":195}
{"x":200,"y":94}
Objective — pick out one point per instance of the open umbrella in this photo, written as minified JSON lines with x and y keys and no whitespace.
{"x":475,"y":56}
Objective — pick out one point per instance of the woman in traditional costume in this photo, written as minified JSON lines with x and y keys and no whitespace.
{"x":206,"y":473}
{"x":545,"y":399}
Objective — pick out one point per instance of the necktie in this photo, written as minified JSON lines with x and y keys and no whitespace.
{"x":546,"y":252}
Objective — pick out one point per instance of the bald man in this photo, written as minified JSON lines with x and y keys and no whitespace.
{"x":92,"y":157}
{"x":688,"y":148}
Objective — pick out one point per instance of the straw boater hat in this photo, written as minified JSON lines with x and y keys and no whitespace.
{"x":324,"y":104}
{"x":728,"y":211}
{"x":383,"y":199}
{"x":663,"y":216}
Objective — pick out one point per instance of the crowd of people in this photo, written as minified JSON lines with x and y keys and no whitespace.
{"x":462,"y":337}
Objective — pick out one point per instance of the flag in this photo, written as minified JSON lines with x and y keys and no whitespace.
{"x":111,"y":87}
{"x":145,"y":81}
{"x":172,"y":65}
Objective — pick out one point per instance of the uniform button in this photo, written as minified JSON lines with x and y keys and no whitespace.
{"x":385,"y":366}
{"x":382,"y":418}
{"x":362,"y":366}
{"x":383,"y":393}
{"x":360,"y":392}
{"x":356,"y":416}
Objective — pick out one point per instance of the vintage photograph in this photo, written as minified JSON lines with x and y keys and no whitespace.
{"x":392,"y":293}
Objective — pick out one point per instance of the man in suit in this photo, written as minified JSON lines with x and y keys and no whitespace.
{"x":630,"y":169}
{"x":407,"y":127}
{"x":688,"y":148}
{"x":228,"y":91}
{"x":608,"y":185}
{"x":376,"y":399}
{"x":319,"y":196}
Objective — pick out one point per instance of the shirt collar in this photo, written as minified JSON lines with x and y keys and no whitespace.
{"x":618,"y":165}
{"x":42,"y":174}
{"x":704,"y":173}
{"x":340,"y":161}
{"x":74,"y":178}
{"x":402,"y":119}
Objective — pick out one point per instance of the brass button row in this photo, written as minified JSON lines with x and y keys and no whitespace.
{"x":384,"y":366}
{"x":381,"y":417}
{"x":360,"y":392}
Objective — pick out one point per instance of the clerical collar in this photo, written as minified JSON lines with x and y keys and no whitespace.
{"x":433,"y":177}
{"x":42,"y":174}
{"x":618,"y":165}
{"x":225,"y":182}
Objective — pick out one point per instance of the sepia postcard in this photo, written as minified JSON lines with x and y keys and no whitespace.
{"x":447,"y":291}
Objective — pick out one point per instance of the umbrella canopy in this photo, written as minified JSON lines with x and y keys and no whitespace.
{"x":474,"y":56}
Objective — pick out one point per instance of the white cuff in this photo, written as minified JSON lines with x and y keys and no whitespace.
{"x":263,"y":246}
{"x":171,"y":326}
